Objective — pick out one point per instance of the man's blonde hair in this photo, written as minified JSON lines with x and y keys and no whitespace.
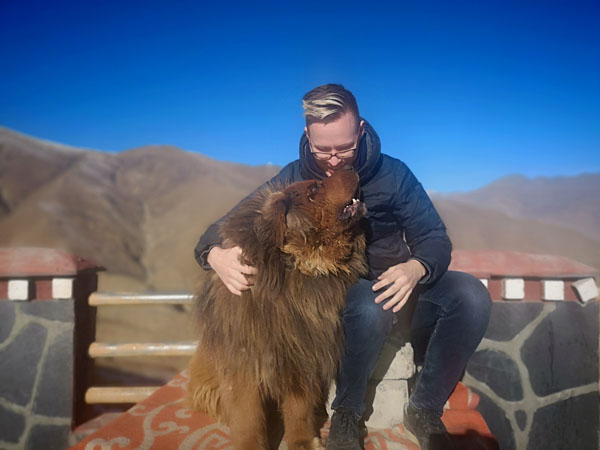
{"x":327,"y":103}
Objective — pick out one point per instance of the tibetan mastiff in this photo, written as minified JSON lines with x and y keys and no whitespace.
{"x":265,"y":360}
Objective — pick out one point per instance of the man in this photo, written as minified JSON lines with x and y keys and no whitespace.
{"x":408,"y":252}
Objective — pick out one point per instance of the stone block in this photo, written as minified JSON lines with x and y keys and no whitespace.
{"x":385,"y":400}
{"x":55,"y":310}
{"x":7,"y":319}
{"x":12,"y":425}
{"x":387,"y":408}
{"x":55,"y":391}
{"x":521,"y":419}
{"x":395,"y":363}
{"x":568,"y":424}
{"x":18,"y":290}
{"x":387,"y":391}
{"x":19,"y":363}
{"x":49,"y":437}
{"x":553,"y":290}
{"x":562,"y":352}
{"x":498,"y":371}
{"x":513,"y":289}
{"x":509,"y":319}
{"x":62,"y":288}
{"x":586,"y":289}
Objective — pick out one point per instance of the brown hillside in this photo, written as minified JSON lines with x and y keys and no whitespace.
{"x":138,"y":213}
{"x":474,"y":228}
{"x":572,"y":202}
{"x":26,"y":164}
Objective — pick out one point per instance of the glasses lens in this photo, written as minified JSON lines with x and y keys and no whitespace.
{"x":322,"y":156}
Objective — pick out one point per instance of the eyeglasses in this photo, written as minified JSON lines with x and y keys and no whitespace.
{"x":326,"y":156}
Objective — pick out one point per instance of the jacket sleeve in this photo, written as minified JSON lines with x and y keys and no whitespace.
{"x":424,"y":230}
{"x":211,"y":237}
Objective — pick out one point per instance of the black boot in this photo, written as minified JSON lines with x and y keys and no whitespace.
{"x":427,"y":428}
{"x":345,"y":433}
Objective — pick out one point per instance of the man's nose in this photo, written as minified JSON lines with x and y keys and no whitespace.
{"x":334,"y":160}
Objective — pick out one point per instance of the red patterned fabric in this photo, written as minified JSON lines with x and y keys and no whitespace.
{"x":162,"y":422}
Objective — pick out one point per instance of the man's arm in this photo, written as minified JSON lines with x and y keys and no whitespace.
{"x":426,"y":238}
{"x":211,"y":237}
{"x":424,"y":230}
{"x":400,"y":280}
{"x":227,"y":262}
{"x":207,"y":242}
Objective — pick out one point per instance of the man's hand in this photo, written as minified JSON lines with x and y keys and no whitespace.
{"x":401,"y":279}
{"x":226,"y":263}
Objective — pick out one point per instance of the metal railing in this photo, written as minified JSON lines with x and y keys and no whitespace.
{"x":116,"y":394}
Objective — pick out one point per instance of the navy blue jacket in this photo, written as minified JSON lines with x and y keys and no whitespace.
{"x":401,"y":222}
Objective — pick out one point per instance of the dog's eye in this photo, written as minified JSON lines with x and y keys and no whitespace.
{"x":313,"y":189}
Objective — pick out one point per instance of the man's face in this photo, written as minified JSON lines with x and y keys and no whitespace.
{"x":335,"y":138}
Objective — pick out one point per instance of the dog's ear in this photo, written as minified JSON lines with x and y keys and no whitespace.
{"x":270,"y":225}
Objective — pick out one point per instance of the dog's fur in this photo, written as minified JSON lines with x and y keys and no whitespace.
{"x":267,"y":358}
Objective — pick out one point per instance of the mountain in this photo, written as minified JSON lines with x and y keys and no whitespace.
{"x":572,"y":202}
{"x":474,"y":228}
{"x":139,"y":213}
{"x":26,"y":164}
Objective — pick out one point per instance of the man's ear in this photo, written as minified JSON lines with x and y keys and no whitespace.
{"x":361,"y":128}
{"x":270,"y":226}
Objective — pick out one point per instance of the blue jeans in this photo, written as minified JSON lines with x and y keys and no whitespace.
{"x":449,"y":320}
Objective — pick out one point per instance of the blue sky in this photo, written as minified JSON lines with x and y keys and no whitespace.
{"x":463,"y":92}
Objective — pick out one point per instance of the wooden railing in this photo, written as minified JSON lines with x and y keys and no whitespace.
{"x":115,"y":394}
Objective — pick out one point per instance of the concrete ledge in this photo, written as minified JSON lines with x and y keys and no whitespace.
{"x":388,"y":407}
{"x":402,"y":365}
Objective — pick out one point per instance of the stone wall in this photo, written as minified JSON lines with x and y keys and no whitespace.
{"x":536,"y":372}
{"x":536,"y":369}
{"x":45,"y":329}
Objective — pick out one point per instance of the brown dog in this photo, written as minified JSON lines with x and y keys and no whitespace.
{"x":267,"y":359}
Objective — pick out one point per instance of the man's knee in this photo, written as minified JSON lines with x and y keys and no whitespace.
{"x":362,"y":313}
{"x":472,"y":299}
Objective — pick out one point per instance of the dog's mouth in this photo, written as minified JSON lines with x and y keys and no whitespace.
{"x":351,"y":209}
